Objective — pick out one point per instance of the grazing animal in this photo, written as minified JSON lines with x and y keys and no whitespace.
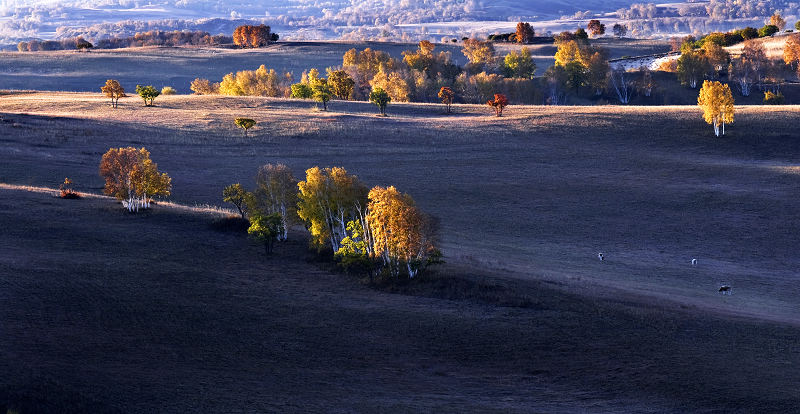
{"x":694,"y":262}
{"x":725,"y":289}
{"x":600,"y":256}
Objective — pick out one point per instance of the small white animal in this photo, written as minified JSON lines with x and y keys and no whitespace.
{"x":694,"y":262}
{"x":600,"y":256}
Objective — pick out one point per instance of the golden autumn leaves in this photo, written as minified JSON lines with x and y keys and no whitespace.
{"x":716,"y":100}
{"x":133,"y":177}
{"x":380,"y":225}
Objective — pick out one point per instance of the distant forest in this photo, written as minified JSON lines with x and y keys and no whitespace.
{"x":151,"y":38}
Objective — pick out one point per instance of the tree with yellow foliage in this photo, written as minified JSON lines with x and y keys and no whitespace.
{"x":392,"y":82}
{"x":329,"y":199}
{"x":791,"y":53}
{"x":481,"y":55}
{"x":716,"y":100}
{"x":777,"y":20}
{"x":130,"y":174}
{"x":402,"y":236}
{"x":113,"y":90}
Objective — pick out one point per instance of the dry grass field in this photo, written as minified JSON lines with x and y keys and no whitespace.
{"x":178,"y":66}
{"x":159,"y":312}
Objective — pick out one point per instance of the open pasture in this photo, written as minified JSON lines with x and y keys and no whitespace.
{"x":167,"y":315}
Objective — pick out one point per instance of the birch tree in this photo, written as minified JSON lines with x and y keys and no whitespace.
{"x":276,"y":192}
{"x":131,"y":176}
{"x":329,"y":199}
{"x":402,"y":236}
{"x":623,"y":84}
{"x":716,"y":101}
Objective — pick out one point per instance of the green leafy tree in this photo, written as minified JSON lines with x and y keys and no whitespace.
{"x":244,"y":123}
{"x":768,"y":30}
{"x":341,"y":84}
{"x":322,"y":92}
{"x":266,"y":229}
{"x":576,"y":75}
{"x":381,"y":98}
{"x":519,"y":65}
{"x":302,"y":91}
{"x":147,"y":93}
{"x":238,"y":196}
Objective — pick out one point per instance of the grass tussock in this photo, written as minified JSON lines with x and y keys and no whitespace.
{"x":233,"y":224}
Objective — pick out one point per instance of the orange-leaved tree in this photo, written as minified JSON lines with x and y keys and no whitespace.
{"x":498,"y":103}
{"x":113,"y":90}
{"x":716,"y":100}
{"x":524,"y":33}
{"x":402,"y":236}
{"x":447,"y":96}
{"x":131,"y":176}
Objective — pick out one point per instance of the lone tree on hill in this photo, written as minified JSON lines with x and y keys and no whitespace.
{"x":245,"y":124}
{"x":597,"y":28}
{"x":236,"y":195}
{"x":716,"y":101}
{"x":131,"y":174}
{"x":380,"y":97}
{"x":525,"y":33}
{"x":83,"y":44}
{"x":253,"y":36}
{"x":447,"y":96}
{"x":777,"y":21}
{"x":113,"y":90}
{"x":148,"y":94}
{"x":620,"y":30}
{"x":498,"y":103}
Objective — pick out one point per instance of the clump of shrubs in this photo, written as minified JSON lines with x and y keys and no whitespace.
{"x":771,"y":98}
{"x":66,"y":191}
{"x":168,"y":90}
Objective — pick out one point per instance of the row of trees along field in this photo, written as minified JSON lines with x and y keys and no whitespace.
{"x":150,"y":38}
{"x":376,"y":231}
{"x":580,"y":70}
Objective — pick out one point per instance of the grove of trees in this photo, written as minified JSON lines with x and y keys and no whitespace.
{"x":253,"y":36}
{"x":131,"y":176}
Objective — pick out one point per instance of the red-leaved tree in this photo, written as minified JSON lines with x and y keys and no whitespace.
{"x":498,"y":103}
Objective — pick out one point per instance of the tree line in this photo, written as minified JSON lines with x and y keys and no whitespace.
{"x":149,"y":38}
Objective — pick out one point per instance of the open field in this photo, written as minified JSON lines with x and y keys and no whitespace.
{"x":158,"y":312}
{"x":177,"y":67}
